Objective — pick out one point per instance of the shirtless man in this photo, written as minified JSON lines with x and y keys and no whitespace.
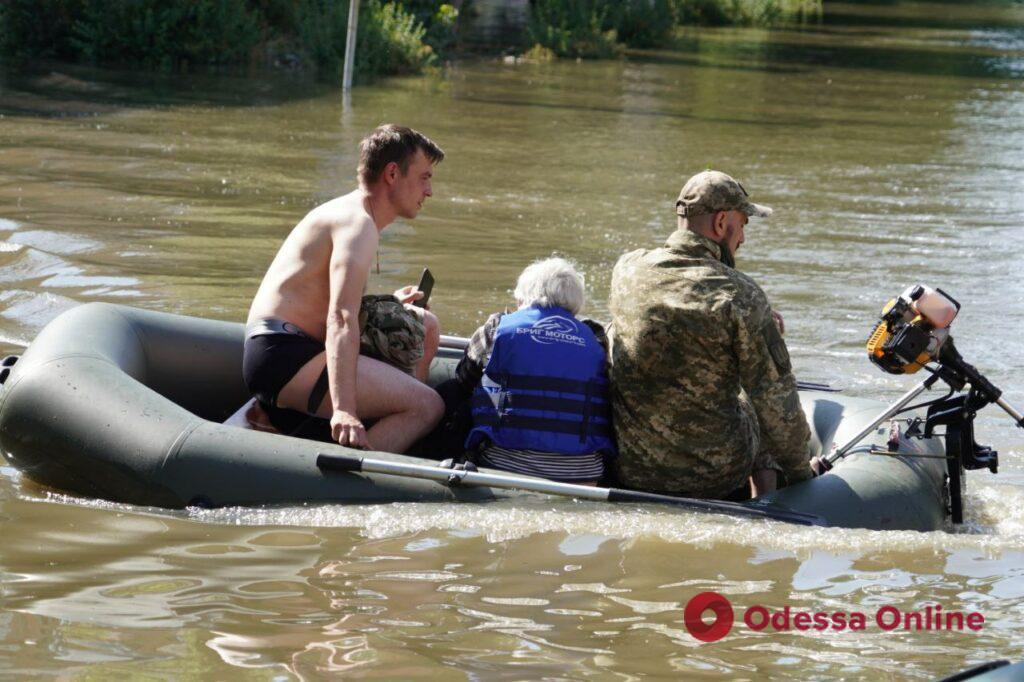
{"x":302,"y":336}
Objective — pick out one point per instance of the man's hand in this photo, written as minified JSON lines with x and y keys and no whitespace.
{"x":408,"y":294}
{"x":779,"y":322}
{"x":819,"y":465}
{"x":348,"y":430}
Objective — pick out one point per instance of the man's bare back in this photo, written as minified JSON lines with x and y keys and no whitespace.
{"x":303,"y":327}
{"x":296,"y":287}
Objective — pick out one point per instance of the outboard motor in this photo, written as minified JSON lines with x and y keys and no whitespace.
{"x":912,"y":335}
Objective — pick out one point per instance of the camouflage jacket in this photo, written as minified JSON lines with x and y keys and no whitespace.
{"x":688,"y":333}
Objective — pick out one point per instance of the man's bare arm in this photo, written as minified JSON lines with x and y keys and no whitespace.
{"x":352,"y":251}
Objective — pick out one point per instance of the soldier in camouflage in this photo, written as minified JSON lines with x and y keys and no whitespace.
{"x":702,"y":390}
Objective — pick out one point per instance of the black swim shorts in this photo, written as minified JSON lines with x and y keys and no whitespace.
{"x":275,"y":351}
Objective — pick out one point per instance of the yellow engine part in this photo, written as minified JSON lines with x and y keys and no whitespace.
{"x":922,"y":360}
{"x":878,"y":339}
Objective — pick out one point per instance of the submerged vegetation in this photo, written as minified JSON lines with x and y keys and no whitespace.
{"x":394,"y":36}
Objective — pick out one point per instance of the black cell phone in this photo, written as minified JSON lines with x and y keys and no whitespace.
{"x":426,"y":285}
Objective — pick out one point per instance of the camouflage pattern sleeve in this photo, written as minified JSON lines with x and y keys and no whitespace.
{"x":767,"y":377}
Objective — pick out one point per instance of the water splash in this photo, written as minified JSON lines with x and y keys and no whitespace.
{"x":994,"y":523}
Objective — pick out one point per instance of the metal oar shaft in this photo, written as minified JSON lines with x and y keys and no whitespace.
{"x":456,"y":342}
{"x":435,"y":473}
{"x":538,"y":485}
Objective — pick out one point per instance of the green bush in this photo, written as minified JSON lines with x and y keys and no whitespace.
{"x":749,"y":12}
{"x":389,"y":39}
{"x":315,"y":29}
{"x":597,"y":28}
{"x":574,"y":28}
{"x":441,"y":19}
{"x":393,"y":37}
{"x":165,"y":34}
{"x":645,"y":23}
{"x":23,"y":35}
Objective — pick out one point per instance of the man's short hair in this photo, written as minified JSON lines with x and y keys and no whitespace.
{"x":697,"y":223}
{"x":393,"y":144}
{"x":551,"y":282}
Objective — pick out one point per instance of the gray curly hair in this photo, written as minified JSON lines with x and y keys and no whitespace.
{"x":551,"y":282}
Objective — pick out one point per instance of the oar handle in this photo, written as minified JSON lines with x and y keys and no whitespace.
{"x":339,"y":462}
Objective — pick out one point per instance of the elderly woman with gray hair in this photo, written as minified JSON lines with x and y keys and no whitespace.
{"x":539,"y":382}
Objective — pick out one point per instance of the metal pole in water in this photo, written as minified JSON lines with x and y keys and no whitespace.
{"x":350,"y":45}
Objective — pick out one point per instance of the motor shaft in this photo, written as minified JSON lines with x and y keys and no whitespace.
{"x":1009,"y":409}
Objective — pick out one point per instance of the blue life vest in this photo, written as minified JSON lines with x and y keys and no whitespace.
{"x":545,"y":386}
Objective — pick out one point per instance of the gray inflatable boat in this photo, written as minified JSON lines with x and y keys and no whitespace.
{"x":127,"y":405}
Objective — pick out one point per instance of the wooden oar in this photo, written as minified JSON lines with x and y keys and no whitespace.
{"x":539,"y":485}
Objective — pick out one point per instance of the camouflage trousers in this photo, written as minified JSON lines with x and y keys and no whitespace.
{"x":712,"y":472}
{"x":762,"y":459}
{"x":734,"y":474}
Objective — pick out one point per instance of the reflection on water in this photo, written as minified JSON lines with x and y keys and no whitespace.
{"x":887,"y":138}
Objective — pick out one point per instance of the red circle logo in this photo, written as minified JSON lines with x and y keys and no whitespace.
{"x":717,"y":604}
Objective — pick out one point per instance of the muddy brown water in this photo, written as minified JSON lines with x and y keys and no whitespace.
{"x":889,"y":139}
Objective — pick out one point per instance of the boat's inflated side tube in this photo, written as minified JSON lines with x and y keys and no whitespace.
{"x":125,"y":404}
{"x":878,"y":492}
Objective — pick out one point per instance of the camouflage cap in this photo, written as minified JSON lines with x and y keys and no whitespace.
{"x":712,"y":191}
